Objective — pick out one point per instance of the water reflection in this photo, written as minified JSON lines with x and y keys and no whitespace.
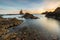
{"x":50,"y":24}
{"x":43,"y":24}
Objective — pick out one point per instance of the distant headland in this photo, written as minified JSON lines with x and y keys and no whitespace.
{"x":55,"y":14}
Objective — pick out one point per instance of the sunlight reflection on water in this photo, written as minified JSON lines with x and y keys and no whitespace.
{"x":50,"y":25}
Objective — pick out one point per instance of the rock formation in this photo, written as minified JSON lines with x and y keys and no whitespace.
{"x":29,"y":16}
{"x":6,"y":24}
{"x":21,"y":12}
{"x":55,"y":14}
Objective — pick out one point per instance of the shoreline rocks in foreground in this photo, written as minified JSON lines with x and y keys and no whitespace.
{"x":10,"y":22}
{"x":29,"y":16}
{"x":24,"y":33}
{"x":27,"y":33}
{"x":5,"y":24}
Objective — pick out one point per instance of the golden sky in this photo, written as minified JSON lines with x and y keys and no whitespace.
{"x":31,"y":6}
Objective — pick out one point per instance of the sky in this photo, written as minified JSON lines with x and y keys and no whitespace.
{"x":31,"y":6}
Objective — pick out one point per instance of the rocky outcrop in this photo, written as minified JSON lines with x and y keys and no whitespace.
{"x":45,"y":12}
{"x":29,"y":16}
{"x":6,"y":24}
{"x":55,"y":14}
{"x":21,"y":12}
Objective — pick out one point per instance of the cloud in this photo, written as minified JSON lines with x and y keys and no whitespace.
{"x":34,"y":6}
{"x":50,"y":5}
{"x":51,"y":0}
{"x":9,"y":11}
{"x":2,"y":9}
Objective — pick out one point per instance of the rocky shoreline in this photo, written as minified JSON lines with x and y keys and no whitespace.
{"x":5,"y":24}
{"x":24,"y":33}
{"x":55,"y":14}
{"x":29,"y":16}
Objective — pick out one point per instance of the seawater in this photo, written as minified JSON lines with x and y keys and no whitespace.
{"x":48,"y":26}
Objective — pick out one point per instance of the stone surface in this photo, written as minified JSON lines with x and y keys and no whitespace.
{"x":29,"y":16}
{"x":55,"y":14}
{"x":6,"y":25}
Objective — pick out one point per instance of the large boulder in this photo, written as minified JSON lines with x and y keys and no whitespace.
{"x":29,"y":16}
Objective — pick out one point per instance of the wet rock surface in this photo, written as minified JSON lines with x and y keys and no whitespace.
{"x":21,"y":33}
{"x":5,"y":24}
{"x":29,"y":16}
{"x":26,"y":33}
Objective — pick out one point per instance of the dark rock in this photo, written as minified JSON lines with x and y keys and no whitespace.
{"x":45,"y":12}
{"x":21,"y":12}
{"x":55,"y":14}
{"x":29,"y":16}
{"x":9,"y":36}
{"x":6,"y":25}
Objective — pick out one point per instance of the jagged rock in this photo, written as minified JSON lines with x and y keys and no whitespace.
{"x":57,"y":10}
{"x":45,"y":12}
{"x":21,"y":12}
{"x":6,"y":25}
{"x":55,"y":14}
{"x":29,"y":16}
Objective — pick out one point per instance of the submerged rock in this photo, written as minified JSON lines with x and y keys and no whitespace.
{"x":29,"y":16}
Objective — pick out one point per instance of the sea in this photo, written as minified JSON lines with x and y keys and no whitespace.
{"x":50,"y":27}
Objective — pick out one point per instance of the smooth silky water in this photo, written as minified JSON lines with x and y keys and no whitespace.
{"x":48,"y":26}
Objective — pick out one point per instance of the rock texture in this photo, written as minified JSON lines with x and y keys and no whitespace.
{"x":26,"y":33}
{"x":6,"y":25}
{"x":29,"y":16}
{"x":55,"y":14}
{"x":21,"y":12}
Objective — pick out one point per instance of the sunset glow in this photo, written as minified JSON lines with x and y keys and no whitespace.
{"x":31,"y":6}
